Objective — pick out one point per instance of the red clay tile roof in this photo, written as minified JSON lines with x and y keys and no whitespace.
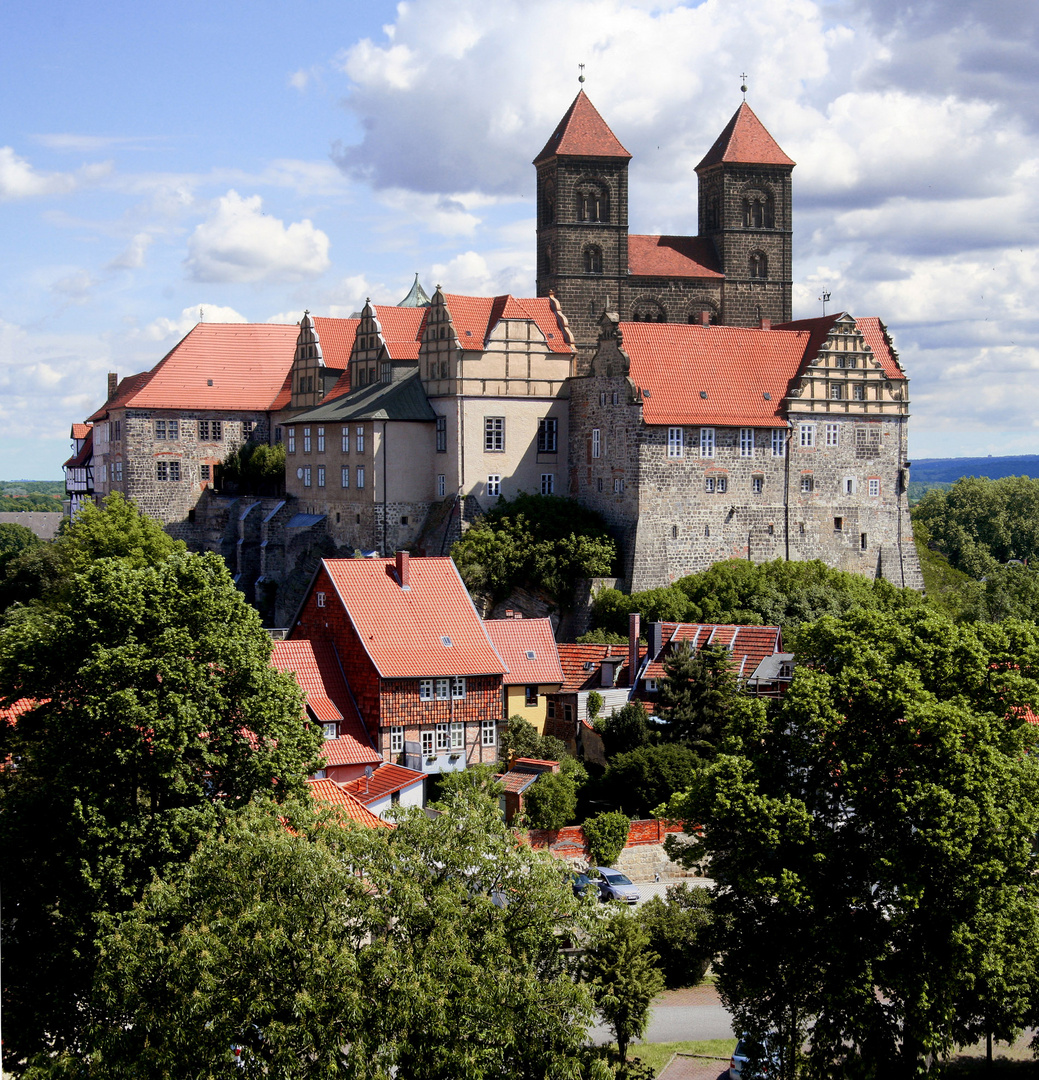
{"x":572,"y":659}
{"x":124,"y":392}
{"x":320,"y":676}
{"x":9,"y":714}
{"x":401,"y":329}
{"x":328,"y":791}
{"x":248,"y":363}
{"x":734,"y":367}
{"x":744,"y":141}
{"x":873,"y":331}
{"x":582,"y":133}
{"x":672,"y":256}
{"x":388,"y":778}
{"x":403,"y":630}
{"x":475,"y":317}
{"x":514,"y":638}
{"x":79,"y":431}
{"x":747,"y":645}
{"x":86,"y":452}
{"x":337,"y":340}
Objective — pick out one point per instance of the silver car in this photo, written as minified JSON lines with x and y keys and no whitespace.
{"x":767,"y":1060}
{"x":613,"y":885}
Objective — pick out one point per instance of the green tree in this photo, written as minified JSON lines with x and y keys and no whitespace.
{"x":551,"y":801}
{"x":626,"y":729}
{"x":521,"y":739}
{"x":606,"y":833}
{"x":14,"y":540}
{"x":625,"y":977}
{"x":697,"y":697}
{"x":876,"y":829}
{"x":155,"y":701}
{"x":640,"y":780}
{"x":254,"y":469}
{"x":680,"y":928}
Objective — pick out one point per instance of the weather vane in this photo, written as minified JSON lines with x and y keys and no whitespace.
{"x":825,"y":298}
{"x":580,"y":78}
{"x":743,"y":85}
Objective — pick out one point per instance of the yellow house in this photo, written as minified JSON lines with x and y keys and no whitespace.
{"x":528,"y":648}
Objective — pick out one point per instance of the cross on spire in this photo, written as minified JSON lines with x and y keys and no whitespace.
{"x":580,"y":78}
{"x":743,"y":85}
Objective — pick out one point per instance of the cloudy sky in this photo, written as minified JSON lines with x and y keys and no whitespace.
{"x":252,"y":159}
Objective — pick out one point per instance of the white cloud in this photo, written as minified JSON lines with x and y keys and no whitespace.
{"x":164,"y":328}
{"x":19,"y":180}
{"x":239,"y":243}
{"x":132,"y":257}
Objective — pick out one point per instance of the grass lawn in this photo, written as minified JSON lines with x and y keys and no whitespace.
{"x":659,"y":1054}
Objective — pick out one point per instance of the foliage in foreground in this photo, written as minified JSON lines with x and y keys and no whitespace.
{"x":872,"y":836}
{"x":606,"y":834}
{"x":337,"y":951}
{"x":540,"y":542}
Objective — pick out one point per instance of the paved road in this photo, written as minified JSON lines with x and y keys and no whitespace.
{"x":681,"y":1015}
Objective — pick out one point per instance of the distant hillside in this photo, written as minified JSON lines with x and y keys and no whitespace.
{"x":948,"y":470}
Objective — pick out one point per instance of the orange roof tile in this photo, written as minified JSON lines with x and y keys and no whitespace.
{"x":387,"y":778}
{"x":9,"y":713}
{"x":85,"y":454}
{"x":528,"y":648}
{"x":582,"y":133}
{"x":248,"y":364}
{"x":403,"y":631}
{"x":744,"y":141}
{"x":672,"y":256}
{"x":475,"y":317}
{"x":328,"y":791}
{"x":320,"y":676}
{"x":337,"y":340}
{"x":711,"y":375}
{"x":747,"y":645}
{"x":574,"y":658}
{"x":79,"y":431}
{"x":124,"y":392}
{"x":873,"y":331}
{"x":401,"y":329}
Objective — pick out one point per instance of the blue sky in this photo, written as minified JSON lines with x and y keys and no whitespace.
{"x":253,"y":160}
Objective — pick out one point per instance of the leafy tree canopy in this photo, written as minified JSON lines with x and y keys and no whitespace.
{"x":640,"y":780}
{"x":254,"y":469}
{"x":521,"y":739}
{"x":155,"y":701}
{"x":625,"y":729}
{"x":551,"y":801}
{"x":14,"y":539}
{"x":680,"y":928}
{"x":697,"y":697}
{"x":776,"y":593}
{"x":876,"y":828}
{"x":429,"y":950}
{"x":606,"y":833}
{"x":539,"y":542}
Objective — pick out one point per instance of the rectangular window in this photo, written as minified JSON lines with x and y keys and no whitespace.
{"x":457,"y":735}
{"x":488,"y":730}
{"x":306,"y":476}
{"x":203,"y":472}
{"x":443,"y":737}
{"x":874,"y":488}
{"x":531,"y":694}
{"x":118,"y":475}
{"x":548,"y":483}
{"x":306,"y":440}
{"x":778,"y":442}
{"x":548,"y":435}
{"x":443,"y":687}
{"x":757,"y":484}
{"x":427,"y":742}
{"x":117,"y":431}
{"x":359,"y":441}
{"x":320,"y":597}
{"x":651,"y":686}
{"x":160,"y":429}
{"x":837,"y":391}
{"x":723,"y":485}
{"x":494,"y":484}
{"x":858,"y":392}
{"x":618,"y":485}
{"x":174,"y":470}
{"x":441,"y":434}
{"x":330,"y":730}
{"x":396,"y":740}
{"x":707,"y":442}
{"x":676,"y":441}
{"x":360,"y":476}
{"x":807,"y":484}
{"x":277,"y":436}
{"x":320,"y":440}
{"x":291,"y":448}
{"x":425,"y":689}
{"x":598,"y":483}
{"x":833,"y":434}
{"x":550,"y":708}
{"x":838,"y":524}
{"x":494,"y":434}
{"x":849,"y":485}
{"x":321,"y":476}
{"x":863,"y":541}
{"x":345,"y":443}
{"x":458,"y":688}
{"x":807,"y":434}
{"x":441,"y":485}
{"x":746,"y":442}
{"x":344,"y":478}
{"x":596,"y":443}
{"x":708,"y":484}
{"x":385,"y":373}
{"x":203,"y":429}
{"x":162,"y":470}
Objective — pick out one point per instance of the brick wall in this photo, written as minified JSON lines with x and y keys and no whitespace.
{"x":570,"y":841}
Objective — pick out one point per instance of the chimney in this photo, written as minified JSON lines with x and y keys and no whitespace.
{"x":705,"y":318}
{"x":113,"y":385}
{"x":403,"y":570}
{"x":764,"y":323}
{"x":633,"y":646}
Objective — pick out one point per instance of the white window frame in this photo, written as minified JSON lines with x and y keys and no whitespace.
{"x":850,"y":485}
{"x":778,"y":442}
{"x":494,"y":434}
{"x":757,"y":484}
{"x":320,"y":599}
{"x":494,"y":484}
{"x":425,"y":689}
{"x":306,"y":440}
{"x":360,"y":476}
{"x":488,"y":733}
{"x":290,"y":443}
{"x":708,"y":484}
{"x":427,"y":742}
{"x":874,"y":488}
{"x":346,"y":440}
{"x":321,"y":476}
{"x":396,"y":740}
{"x":344,"y":478}
{"x":833,"y":434}
{"x":443,"y":689}
{"x":359,"y":440}
{"x":806,"y":436}
{"x":320,"y":440}
{"x":596,"y":443}
{"x":443,"y":737}
{"x":807,"y":484}
{"x":618,"y":485}
{"x":722,"y":485}
{"x":548,"y":483}
{"x":707,"y":442}
{"x":676,"y":442}
{"x":330,"y":730}
{"x":457,"y":735}
{"x":458,"y":688}
{"x":441,"y":485}
{"x":746,"y":442}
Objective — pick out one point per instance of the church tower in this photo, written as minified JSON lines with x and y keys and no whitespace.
{"x":745,"y":209}
{"x":582,"y":219}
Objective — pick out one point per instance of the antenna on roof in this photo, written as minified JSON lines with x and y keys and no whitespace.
{"x":743,"y":85}
{"x":825,"y":299}
{"x":580,"y":78}
{"x":201,"y":314}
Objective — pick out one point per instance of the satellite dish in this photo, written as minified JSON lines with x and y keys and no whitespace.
{"x":368,"y":772}
{"x":299,"y":473}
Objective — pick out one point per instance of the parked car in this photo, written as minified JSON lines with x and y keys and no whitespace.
{"x":613,"y":885}
{"x":766,"y":1060}
{"x":579,"y":883}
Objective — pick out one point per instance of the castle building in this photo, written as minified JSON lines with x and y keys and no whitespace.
{"x":736,"y":271}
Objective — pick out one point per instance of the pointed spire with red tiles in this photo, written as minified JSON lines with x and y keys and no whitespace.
{"x":744,"y":142}
{"x":582,"y":133}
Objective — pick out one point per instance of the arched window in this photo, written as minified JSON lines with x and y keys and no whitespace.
{"x":696,"y":316}
{"x":648,"y":311}
{"x":758,"y":265}
{"x":759,"y":210}
{"x":592,"y":203}
{"x":593,"y":260}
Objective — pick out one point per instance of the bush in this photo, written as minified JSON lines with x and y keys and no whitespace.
{"x":624,"y":730}
{"x":680,"y":930}
{"x":551,"y":801}
{"x":606,"y":834}
{"x":640,"y":780}
{"x":521,"y":739}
